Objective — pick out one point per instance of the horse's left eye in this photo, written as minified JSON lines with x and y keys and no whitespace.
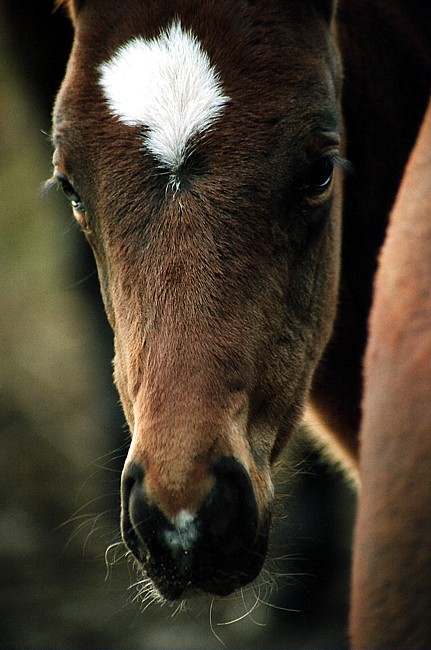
{"x":319,"y":178}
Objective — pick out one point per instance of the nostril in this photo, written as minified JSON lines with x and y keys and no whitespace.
{"x":145,"y":529}
{"x":231,"y":513}
{"x":131,"y":487}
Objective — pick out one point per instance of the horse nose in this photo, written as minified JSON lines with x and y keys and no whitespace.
{"x":216,"y":550}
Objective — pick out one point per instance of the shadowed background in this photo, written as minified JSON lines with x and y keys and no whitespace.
{"x":63,"y":438}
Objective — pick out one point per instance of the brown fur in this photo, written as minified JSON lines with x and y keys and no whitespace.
{"x":392,"y":565}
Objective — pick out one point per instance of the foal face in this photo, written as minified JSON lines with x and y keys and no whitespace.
{"x":198,"y":144}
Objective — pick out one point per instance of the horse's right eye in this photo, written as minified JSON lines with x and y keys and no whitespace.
{"x":69,"y":192}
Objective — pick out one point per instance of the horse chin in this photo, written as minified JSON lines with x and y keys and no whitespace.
{"x":194,"y":576}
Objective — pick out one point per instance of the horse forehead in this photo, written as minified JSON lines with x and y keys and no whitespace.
{"x":167,"y":85}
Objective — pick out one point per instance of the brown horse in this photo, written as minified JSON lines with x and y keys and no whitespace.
{"x":201,"y":144}
{"x":392,"y":562}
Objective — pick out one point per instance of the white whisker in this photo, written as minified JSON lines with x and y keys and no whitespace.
{"x":181,"y":607}
{"x":280,"y":608}
{"x":115,"y":547}
{"x":212,"y":624}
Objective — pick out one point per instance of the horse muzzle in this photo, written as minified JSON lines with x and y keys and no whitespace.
{"x":216,"y":550}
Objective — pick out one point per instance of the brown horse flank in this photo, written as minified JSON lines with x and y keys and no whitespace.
{"x":392,"y":564}
{"x":201,"y":144}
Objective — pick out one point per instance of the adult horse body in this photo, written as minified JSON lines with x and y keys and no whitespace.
{"x":201,"y":145}
{"x":392,"y":556}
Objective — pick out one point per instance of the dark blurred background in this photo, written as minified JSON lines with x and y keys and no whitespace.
{"x":63,"y":438}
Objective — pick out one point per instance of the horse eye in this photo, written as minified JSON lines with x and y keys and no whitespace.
{"x":69,"y":192}
{"x":319,"y":178}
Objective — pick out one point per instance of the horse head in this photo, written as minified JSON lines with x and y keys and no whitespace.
{"x":198,"y":143}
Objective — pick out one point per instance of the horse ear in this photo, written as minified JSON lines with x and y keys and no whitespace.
{"x":326,"y":7}
{"x":73,"y":7}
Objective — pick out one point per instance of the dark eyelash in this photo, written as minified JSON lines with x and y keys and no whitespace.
{"x":48,"y":185}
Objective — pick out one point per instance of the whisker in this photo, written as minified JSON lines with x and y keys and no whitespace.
{"x":146,"y":594}
{"x":90,"y":521}
{"x":256,"y":592}
{"x":91,"y":478}
{"x":94,"y":529}
{"x":116,"y":546}
{"x":78,"y":514}
{"x":212,"y":624}
{"x":181,"y":607}
{"x":248,"y":612}
{"x":81,"y":281}
{"x":151,"y":602}
{"x":279,"y":607}
{"x":110,"y":455}
{"x":111,"y":469}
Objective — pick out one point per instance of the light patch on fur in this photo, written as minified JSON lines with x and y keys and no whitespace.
{"x":184,"y":535}
{"x":332,"y":451}
{"x":168,"y":85}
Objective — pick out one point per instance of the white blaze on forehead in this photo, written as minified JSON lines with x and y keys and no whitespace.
{"x":168,"y":85}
